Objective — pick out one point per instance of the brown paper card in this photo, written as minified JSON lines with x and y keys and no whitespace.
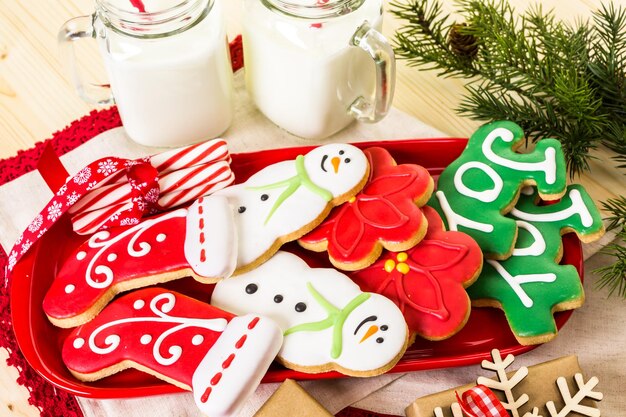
{"x":540,"y":385}
{"x":291,"y":400}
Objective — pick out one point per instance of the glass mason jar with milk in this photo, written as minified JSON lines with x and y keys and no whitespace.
{"x":168,"y":66}
{"x":315,"y":66}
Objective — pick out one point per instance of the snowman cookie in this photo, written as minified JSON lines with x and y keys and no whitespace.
{"x":328,"y":323}
{"x":286,"y":200}
{"x":186,"y":342}
{"x":384,"y":214}
{"x":236,"y":228}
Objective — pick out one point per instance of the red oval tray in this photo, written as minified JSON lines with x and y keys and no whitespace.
{"x":41,"y":342}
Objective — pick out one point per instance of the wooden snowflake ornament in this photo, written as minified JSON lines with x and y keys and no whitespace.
{"x":537,"y":391}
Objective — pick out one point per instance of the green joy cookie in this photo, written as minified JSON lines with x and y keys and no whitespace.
{"x":476,"y":191}
{"x":531,"y":285}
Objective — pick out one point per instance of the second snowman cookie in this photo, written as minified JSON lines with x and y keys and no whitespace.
{"x":328,"y":323}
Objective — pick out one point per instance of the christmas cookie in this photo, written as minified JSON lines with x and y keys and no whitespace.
{"x":181,"y":340}
{"x":531,"y":285}
{"x":286,"y":200}
{"x":386,"y":213}
{"x":199,"y":241}
{"x":476,"y":191}
{"x":428,"y":281}
{"x":328,"y":323}
{"x":236,"y":228}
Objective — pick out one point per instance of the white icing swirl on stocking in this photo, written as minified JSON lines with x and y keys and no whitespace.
{"x":161,"y":310}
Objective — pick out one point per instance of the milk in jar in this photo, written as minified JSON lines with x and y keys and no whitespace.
{"x":169,"y":68}
{"x":306,"y":72}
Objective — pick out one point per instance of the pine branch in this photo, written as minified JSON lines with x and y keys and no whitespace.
{"x":554,"y":79}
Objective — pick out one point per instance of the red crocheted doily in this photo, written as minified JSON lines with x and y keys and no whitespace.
{"x":50,"y":401}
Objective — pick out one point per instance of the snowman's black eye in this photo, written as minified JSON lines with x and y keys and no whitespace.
{"x":264,"y":197}
{"x":300,"y":307}
{"x":380,"y":340}
{"x":384,"y":327}
{"x":241,"y":209}
{"x":341,"y":152}
{"x":278,"y":298}
{"x":251,"y":288}
{"x":347,"y":160}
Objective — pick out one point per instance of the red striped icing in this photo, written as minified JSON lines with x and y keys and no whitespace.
{"x":226,"y":364}
{"x":228,"y":361}
{"x":253,"y":323}
{"x":241,"y":341}
{"x":202,"y":255}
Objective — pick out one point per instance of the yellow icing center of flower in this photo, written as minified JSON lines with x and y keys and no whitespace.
{"x":352,"y":200}
{"x":401,"y":266}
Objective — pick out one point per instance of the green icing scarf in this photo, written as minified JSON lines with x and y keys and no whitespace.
{"x":292,"y":184}
{"x":336,"y":319}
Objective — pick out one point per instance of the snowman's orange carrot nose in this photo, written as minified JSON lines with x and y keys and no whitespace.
{"x":335,"y":161}
{"x":371,"y":331}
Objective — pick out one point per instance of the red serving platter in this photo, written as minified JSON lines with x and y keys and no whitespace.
{"x":41,"y":342}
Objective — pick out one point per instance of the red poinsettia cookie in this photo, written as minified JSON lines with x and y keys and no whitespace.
{"x":386,"y":213}
{"x":428,"y":281}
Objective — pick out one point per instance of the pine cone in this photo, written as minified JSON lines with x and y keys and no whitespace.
{"x":461,"y":44}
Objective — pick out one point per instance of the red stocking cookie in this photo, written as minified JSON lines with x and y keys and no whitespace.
{"x":428,"y":281}
{"x":385,"y":214}
{"x":193,"y":345}
{"x":198,"y":241}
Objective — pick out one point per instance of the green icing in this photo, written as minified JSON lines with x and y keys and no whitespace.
{"x":336,"y":319}
{"x":292,"y":184}
{"x":485,"y":221}
{"x":531,"y":283}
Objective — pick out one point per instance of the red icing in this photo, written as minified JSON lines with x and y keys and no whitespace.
{"x":166,"y":256}
{"x":205,"y":396}
{"x":203,"y":255}
{"x":216,"y":378}
{"x":253,"y":323}
{"x":385,"y":211}
{"x":240,"y":342}
{"x":131,"y":348}
{"x":431,"y":294}
{"x":228,"y":361}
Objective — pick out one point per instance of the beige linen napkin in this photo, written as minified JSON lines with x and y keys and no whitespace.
{"x":23,"y":198}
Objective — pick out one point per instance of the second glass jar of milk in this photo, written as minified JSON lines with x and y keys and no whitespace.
{"x":314,"y":66}
{"x":168,"y":66}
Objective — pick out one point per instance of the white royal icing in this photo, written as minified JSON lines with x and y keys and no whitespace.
{"x":210,"y":234}
{"x":259,"y":227}
{"x":547,"y":166}
{"x":517,"y":281}
{"x":161,"y":310}
{"x":578,"y":207}
{"x":70,"y":288}
{"x":455,"y":220}
{"x":486,"y":196}
{"x":538,"y":246}
{"x":289,"y":276}
{"x":135,"y":248}
{"x":238,"y":380}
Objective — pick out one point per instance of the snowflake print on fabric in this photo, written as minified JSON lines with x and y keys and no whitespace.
{"x":83,"y":176}
{"x":386,"y":213}
{"x":107,"y":167}
{"x":428,"y":281}
{"x":54,"y":211}
{"x":36,"y":223}
{"x":72,"y":198}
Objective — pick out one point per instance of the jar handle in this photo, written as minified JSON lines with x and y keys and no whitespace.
{"x":375,"y":44}
{"x":73,"y":30}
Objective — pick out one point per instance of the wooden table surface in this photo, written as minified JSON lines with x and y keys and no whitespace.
{"x":36,"y":99}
